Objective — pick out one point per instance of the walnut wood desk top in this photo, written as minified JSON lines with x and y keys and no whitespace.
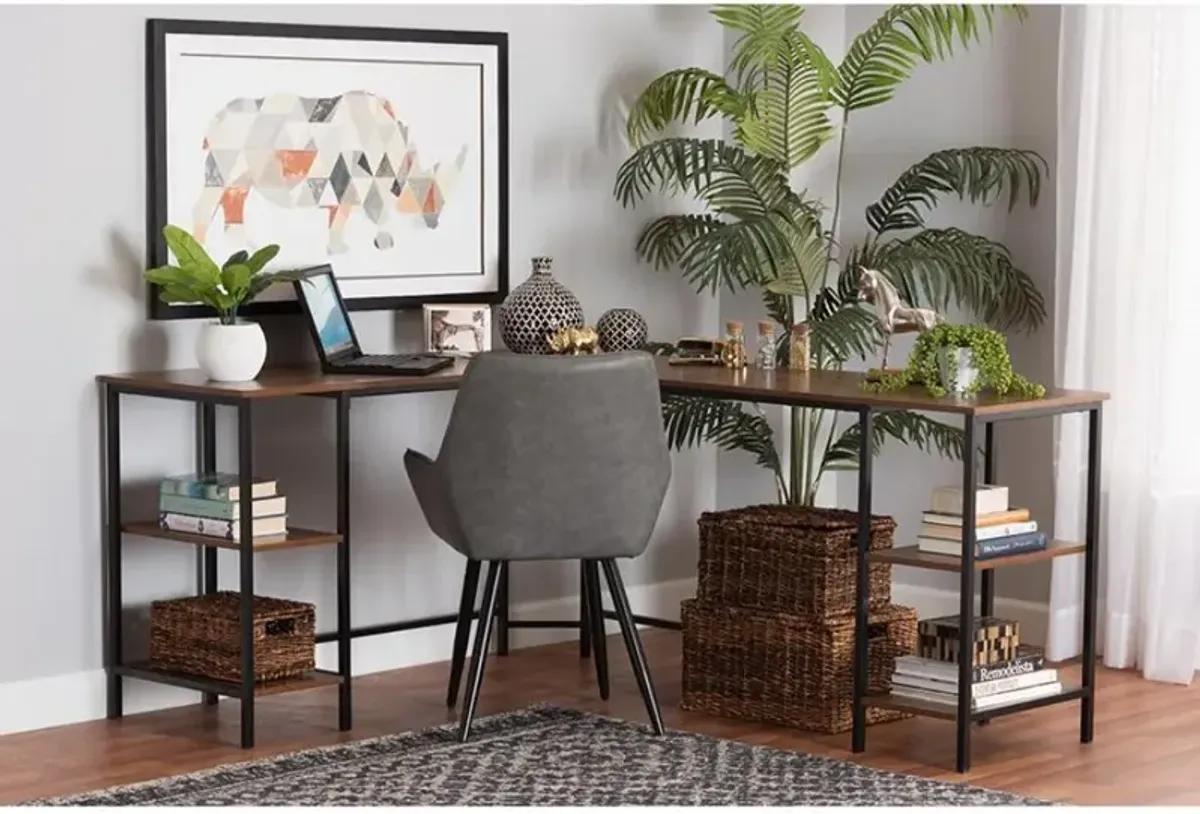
{"x":815,"y":389}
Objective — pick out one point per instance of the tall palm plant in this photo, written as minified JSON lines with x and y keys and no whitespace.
{"x":783,"y":100}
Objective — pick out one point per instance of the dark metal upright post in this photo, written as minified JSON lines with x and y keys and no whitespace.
{"x":1091,"y":565}
{"x":503,"y":611}
{"x":987,"y":590}
{"x":207,"y":430}
{"x":585,"y":625}
{"x":343,"y":560}
{"x":246,"y":561}
{"x":866,"y":428}
{"x":112,"y":550}
{"x":966,"y":599}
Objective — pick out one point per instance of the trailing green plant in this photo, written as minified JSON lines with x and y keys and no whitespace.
{"x":196,"y":278}
{"x":989,"y":350}
{"x":782,"y":100}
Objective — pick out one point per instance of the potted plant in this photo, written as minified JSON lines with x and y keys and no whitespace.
{"x":960,"y":360}
{"x":228,"y":349}
{"x":783,"y":101}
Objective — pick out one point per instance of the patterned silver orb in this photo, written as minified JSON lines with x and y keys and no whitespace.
{"x":621,"y":329}
{"x":536,"y":309}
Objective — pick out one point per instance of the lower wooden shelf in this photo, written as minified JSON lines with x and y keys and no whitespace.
{"x":949,"y":710}
{"x":914,"y":557}
{"x":146,"y":671}
{"x":295,"y":537}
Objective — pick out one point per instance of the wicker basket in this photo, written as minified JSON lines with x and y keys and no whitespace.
{"x":202,"y":636}
{"x":786,"y":669}
{"x":790,"y":559}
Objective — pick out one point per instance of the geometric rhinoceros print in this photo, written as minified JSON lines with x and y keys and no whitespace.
{"x":343,"y":154}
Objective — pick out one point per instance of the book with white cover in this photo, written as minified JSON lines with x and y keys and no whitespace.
{"x":1003,"y":699}
{"x":988,"y":499}
{"x":981,"y":689}
{"x":938,"y":531}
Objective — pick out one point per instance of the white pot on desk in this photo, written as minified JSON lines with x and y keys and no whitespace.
{"x":231,"y":353}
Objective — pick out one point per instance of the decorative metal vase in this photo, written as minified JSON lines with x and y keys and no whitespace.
{"x":536,"y":310}
{"x":956,"y":366}
{"x":621,"y":329}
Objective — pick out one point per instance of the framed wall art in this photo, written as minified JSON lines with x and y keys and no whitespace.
{"x":382,"y":152}
{"x":459,"y":330}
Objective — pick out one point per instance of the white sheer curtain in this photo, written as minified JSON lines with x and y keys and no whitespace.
{"x":1127,"y":305}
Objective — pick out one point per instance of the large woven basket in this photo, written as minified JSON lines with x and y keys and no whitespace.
{"x":786,"y":669}
{"x":202,"y":636}
{"x":791,"y":559}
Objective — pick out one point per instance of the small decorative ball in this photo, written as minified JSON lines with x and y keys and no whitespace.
{"x":621,"y":329}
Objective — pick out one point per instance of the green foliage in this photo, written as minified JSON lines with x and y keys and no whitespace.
{"x":782,"y":99}
{"x":989,"y":349}
{"x":196,"y":278}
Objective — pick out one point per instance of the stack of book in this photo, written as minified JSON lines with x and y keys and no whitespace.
{"x":1003,"y":671}
{"x":999,"y":530}
{"x":212,"y":505}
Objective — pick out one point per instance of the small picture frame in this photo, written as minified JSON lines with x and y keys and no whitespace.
{"x":458,"y":330}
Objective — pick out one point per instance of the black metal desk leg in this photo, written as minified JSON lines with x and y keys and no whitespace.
{"x":112,"y":550}
{"x":502,"y":612}
{"x":866,"y":426}
{"x":345,"y":701}
{"x":987,"y":590}
{"x":1091,"y":563}
{"x":585,"y":625}
{"x":207,"y":414}
{"x":246,"y":562}
{"x":966,"y":600}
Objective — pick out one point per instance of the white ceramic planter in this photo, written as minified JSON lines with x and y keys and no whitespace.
{"x":231,"y":353}
{"x":957,"y":368}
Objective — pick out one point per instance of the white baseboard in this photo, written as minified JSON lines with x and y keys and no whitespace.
{"x":1032,"y":616}
{"x":40,"y":703}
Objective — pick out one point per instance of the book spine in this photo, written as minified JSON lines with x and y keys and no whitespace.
{"x":209,"y":527}
{"x":1015,"y":544}
{"x":1018,"y":682}
{"x":198,"y":490}
{"x":200,"y":507}
{"x":1020,"y":665}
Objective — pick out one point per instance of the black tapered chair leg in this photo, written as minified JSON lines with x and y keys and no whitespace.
{"x":595,"y":608}
{"x":462,"y":630}
{"x":483,"y":634}
{"x":585,"y":626}
{"x":633,"y":643}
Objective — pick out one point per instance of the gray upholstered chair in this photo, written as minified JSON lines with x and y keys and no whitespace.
{"x":548,"y":458}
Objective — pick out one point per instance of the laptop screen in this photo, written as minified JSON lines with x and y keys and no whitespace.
{"x":329,"y":317}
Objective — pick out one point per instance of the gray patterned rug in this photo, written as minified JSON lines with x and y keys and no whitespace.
{"x":545,"y":756}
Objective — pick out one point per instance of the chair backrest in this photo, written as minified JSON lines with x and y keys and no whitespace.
{"x":556,"y":457}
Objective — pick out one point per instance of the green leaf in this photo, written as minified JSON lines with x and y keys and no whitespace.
{"x":848,"y":332}
{"x":938,"y":266}
{"x":168,"y":275}
{"x":691,"y":420}
{"x":240,"y":256}
{"x":259,"y":260}
{"x":190,"y":254}
{"x":977,"y":174}
{"x":883,"y":57}
{"x":803,"y":268}
{"x":764,"y":32}
{"x":261,"y":282}
{"x":686,"y":96}
{"x":925,"y":433}
{"x":236,"y":280}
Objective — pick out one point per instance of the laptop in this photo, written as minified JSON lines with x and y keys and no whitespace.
{"x":334,"y":336}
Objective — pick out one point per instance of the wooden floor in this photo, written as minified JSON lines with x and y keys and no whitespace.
{"x":1147,"y":747}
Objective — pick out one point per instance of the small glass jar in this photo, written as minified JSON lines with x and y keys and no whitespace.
{"x":765,"y":357}
{"x":799,"y":348}
{"x":733,"y":353}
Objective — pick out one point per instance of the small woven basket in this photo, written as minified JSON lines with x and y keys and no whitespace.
{"x":202,"y":636}
{"x":786,"y":669}
{"x":791,"y":559}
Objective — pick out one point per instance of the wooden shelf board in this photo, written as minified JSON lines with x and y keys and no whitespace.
{"x":148,"y":672}
{"x":949,"y":710}
{"x":915,"y":558}
{"x":295,"y":538}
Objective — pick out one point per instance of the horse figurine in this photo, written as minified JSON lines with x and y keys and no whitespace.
{"x":893,"y":315}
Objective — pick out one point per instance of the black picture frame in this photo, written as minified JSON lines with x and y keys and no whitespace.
{"x":157,"y":31}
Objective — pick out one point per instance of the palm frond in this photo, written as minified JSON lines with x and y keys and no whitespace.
{"x":803,"y":266}
{"x":712,"y":253}
{"x":691,"y":420}
{"x":940,"y":266}
{"x":844,"y":333}
{"x":686,"y":96}
{"x":764,"y":31}
{"x":926,"y":433}
{"x":884,"y":56}
{"x":977,"y":174}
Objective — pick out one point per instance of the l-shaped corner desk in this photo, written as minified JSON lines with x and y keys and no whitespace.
{"x":841,"y":391}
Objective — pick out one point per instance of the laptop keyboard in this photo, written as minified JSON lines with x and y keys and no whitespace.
{"x":382,"y":359}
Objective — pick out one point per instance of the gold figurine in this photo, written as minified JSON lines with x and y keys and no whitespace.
{"x":574,"y":341}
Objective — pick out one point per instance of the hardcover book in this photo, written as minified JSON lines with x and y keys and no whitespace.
{"x":988,"y":499}
{"x":217,"y":486}
{"x":226,"y":529}
{"x":221,"y":509}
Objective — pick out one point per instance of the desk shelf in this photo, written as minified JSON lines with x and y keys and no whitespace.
{"x":146,"y":671}
{"x":949,"y":711}
{"x":913,"y":557}
{"x":295,"y":537}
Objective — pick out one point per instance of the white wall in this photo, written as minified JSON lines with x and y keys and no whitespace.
{"x":73,"y":220}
